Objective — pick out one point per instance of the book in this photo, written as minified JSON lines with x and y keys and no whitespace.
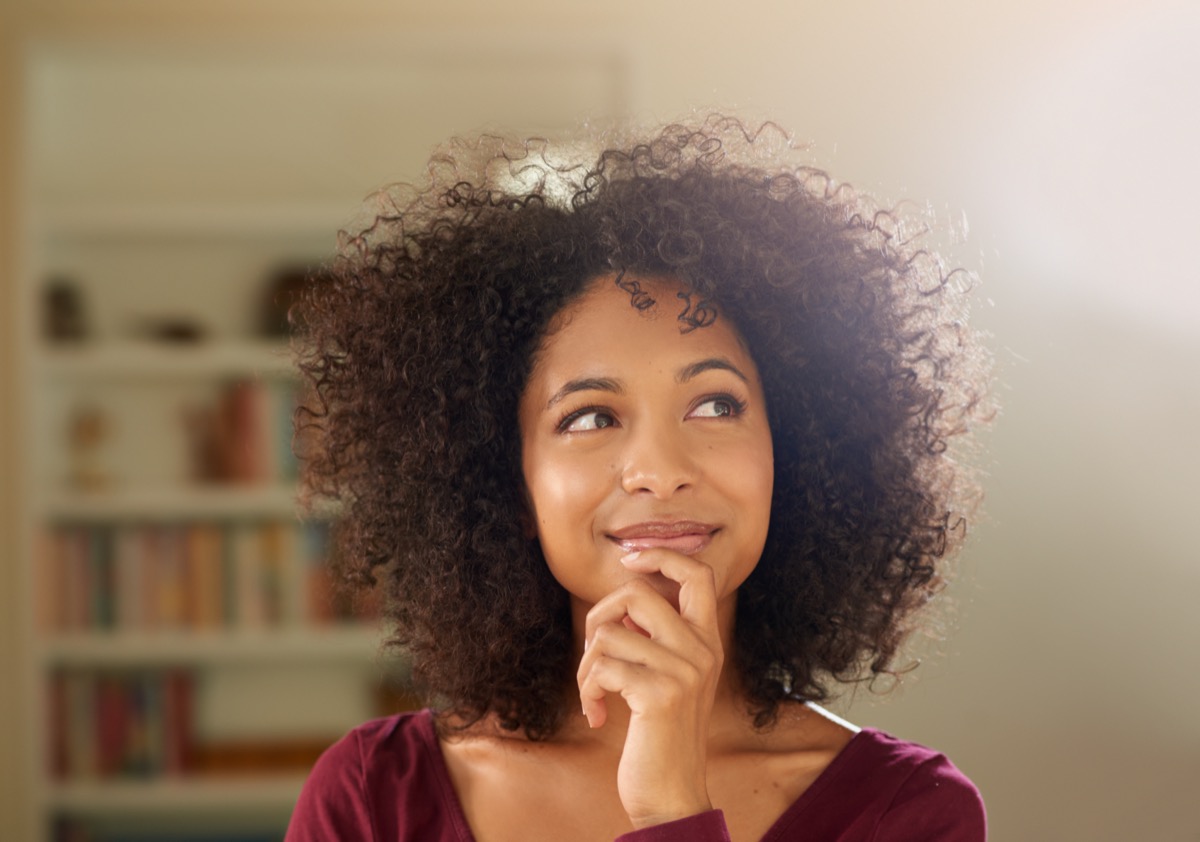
{"x":108,"y":724}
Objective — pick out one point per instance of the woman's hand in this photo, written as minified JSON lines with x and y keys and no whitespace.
{"x":666,"y":665}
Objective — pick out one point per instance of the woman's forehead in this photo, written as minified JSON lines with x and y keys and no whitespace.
{"x":652,"y":296}
{"x":623,"y":319}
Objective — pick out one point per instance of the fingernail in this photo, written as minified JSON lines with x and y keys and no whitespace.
{"x":628,"y":557}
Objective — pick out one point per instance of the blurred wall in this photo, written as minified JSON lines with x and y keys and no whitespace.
{"x":1064,"y":131}
{"x":13,"y":761}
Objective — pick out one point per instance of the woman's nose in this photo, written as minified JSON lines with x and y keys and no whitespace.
{"x":657,"y":462}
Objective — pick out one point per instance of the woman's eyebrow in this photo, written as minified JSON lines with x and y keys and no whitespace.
{"x":585,"y":384}
{"x":718,"y":363}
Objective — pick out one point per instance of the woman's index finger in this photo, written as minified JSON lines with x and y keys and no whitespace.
{"x":697,"y":585}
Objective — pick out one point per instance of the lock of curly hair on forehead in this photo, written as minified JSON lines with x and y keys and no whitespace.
{"x":416,"y":350}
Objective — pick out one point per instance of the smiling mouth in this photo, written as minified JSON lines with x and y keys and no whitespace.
{"x":686,"y":537}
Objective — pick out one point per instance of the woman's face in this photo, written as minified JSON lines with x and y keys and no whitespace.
{"x":635,"y":435}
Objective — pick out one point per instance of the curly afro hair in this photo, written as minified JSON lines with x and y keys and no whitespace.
{"x":417,"y":350}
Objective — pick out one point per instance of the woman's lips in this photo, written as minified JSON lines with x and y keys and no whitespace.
{"x":686,"y":544}
{"x":687,"y":538}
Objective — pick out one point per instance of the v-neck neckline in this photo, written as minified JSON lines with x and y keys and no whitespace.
{"x":794,"y":810}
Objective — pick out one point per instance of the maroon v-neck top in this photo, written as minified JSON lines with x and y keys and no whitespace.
{"x":387,"y":781}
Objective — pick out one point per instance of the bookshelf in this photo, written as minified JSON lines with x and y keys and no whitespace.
{"x":189,"y":651}
{"x":165,"y":181}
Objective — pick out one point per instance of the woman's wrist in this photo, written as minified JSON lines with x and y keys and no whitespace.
{"x":708,"y":826}
{"x":676,"y":813}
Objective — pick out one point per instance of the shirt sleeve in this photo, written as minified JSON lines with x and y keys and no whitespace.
{"x":937,"y":803}
{"x":702,"y":827}
{"x":333,"y":802}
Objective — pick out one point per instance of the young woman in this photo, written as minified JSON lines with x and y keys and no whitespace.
{"x":647,"y":455}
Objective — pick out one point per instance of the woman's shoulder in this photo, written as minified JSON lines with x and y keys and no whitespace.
{"x":890,"y":752}
{"x":912,"y":767}
{"x":903,"y":790}
{"x":411,"y":728}
{"x":383,"y":779}
{"x":381,"y":743}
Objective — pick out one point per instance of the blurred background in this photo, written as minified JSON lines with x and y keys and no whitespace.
{"x":169,"y":649}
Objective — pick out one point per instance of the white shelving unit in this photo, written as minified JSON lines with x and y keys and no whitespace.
{"x":293,"y":679}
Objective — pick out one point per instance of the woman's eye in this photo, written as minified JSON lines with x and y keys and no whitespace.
{"x":585,"y":420}
{"x":720,"y":407}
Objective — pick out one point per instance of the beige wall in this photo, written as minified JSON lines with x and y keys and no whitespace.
{"x":1065,"y":130}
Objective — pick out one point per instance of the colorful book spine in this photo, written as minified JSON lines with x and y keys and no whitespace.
{"x":199,"y":576}
{"x":250,"y":433}
{"x":108,"y":724}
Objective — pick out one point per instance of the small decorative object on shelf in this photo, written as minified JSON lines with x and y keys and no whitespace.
{"x":87,"y":428}
{"x":180,"y":330}
{"x":283,"y":290}
{"x":64,"y":318}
